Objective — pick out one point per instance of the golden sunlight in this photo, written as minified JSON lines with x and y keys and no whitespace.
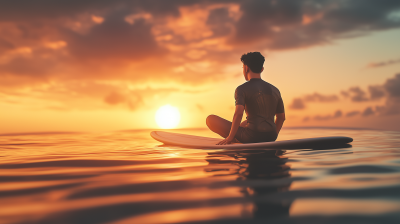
{"x":168,"y":117}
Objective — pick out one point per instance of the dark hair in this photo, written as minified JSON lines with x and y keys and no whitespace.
{"x":254,"y":60}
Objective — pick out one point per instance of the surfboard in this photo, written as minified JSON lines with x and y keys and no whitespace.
{"x":199,"y":142}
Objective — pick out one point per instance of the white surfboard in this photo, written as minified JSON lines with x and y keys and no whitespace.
{"x":199,"y":142}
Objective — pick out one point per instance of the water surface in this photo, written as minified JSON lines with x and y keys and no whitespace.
{"x":127,"y":177}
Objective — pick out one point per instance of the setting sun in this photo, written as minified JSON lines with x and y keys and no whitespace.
{"x":168,"y":117}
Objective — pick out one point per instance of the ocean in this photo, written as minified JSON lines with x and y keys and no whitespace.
{"x":128,"y":177}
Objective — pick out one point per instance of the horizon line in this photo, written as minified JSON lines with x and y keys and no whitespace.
{"x":159,"y":129}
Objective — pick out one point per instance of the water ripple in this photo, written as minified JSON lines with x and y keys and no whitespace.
{"x":127,"y":177}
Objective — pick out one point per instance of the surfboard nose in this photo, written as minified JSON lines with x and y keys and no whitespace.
{"x":347,"y":139}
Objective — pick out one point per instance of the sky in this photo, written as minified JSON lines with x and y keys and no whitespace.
{"x":109,"y":65}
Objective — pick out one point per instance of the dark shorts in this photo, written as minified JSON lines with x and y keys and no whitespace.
{"x":243,"y":135}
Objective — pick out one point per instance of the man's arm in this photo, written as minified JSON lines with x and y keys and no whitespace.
{"x":280,"y":118}
{"x":237,"y":118}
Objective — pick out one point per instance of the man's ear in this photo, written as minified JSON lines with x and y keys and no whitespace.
{"x":262,"y":69}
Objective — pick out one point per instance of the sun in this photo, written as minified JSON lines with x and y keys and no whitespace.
{"x":168,"y":117}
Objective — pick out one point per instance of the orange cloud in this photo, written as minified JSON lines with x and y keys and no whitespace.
{"x":382,"y":63}
{"x":300,"y":103}
{"x":57,"y":48}
{"x":389,"y":92}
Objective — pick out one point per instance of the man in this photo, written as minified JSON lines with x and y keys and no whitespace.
{"x":261,"y":101}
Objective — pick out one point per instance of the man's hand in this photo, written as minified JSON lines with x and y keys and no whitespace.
{"x":226,"y":141}
{"x":237,"y":118}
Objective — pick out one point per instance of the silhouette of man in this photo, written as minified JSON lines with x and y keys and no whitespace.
{"x":261,"y":101}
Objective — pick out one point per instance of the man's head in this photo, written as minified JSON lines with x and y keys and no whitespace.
{"x":253,"y":60}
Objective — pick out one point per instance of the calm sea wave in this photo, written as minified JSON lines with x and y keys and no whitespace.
{"x":127,"y":177}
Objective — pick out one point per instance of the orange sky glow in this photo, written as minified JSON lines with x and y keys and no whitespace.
{"x":103,"y":66}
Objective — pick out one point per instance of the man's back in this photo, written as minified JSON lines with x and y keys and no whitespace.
{"x":261,"y":101}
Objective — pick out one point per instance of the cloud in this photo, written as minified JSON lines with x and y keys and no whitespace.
{"x":316,"y":97}
{"x":219,"y":20}
{"x":37,"y":68}
{"x":56,"y":43}
{"x":297,"y":104}
{"x":300,"y":103}
{"x":124,"y":44}
{"x":352,"y":113}
{"x":133,"y":100}
{"x":5,"y":45}
{"x":292,"y":24}
{"x":382,"y":63}
{"x":392,"y":86}
{"x":356,"y":94}
{"x":275,"y":24}
{"x":114,"y":98}
{"x":391,"y":107}
{"x":336,"y":114}
{"x":376,"y":92}
{"x":115,"y":39}
{"x":392,"y":104}
{"x":368,"y":111}
{"x":93,"y":95}
{"x":389,"y":92}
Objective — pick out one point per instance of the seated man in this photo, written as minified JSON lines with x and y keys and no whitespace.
{"x":261,"y":101}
